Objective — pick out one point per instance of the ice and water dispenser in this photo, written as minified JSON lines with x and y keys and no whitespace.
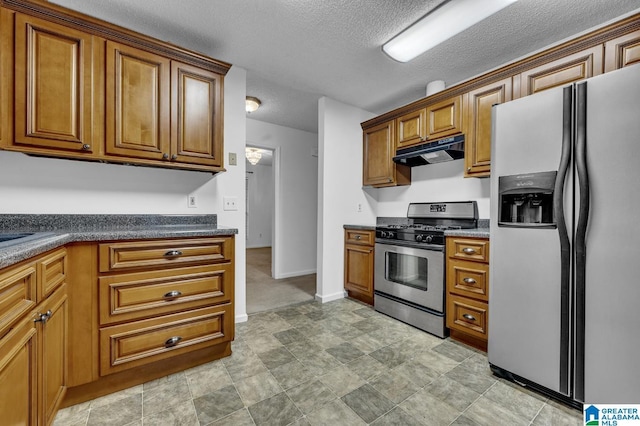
{"x":526,"y":200}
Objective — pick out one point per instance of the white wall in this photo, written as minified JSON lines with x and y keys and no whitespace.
{"x":45,"y":185}
{"x":260,"y":205}
{"x":296,"y":186}
{"x":433,"y":183}
{"x":340,"y":190}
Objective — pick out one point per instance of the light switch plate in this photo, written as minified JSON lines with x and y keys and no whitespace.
{"x":233,"y":159}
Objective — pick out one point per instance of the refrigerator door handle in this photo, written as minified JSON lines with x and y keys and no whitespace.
{"x":565,"y":245}
{"x":581,"y":233}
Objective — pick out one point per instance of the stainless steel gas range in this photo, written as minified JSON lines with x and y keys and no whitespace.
{"x":409,"y":262}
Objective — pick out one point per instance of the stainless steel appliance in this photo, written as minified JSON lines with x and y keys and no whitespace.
{"x":565,"y":240}
{"x":409,"y":262}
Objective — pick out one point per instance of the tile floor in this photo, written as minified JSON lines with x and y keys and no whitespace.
{"x":339,"y":363}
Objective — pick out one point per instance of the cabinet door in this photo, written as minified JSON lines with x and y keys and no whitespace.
{"x":576,"y":67}
{"x":378,"y":150}
{"x":477,"y":156}
{"x":52,"y":86}
{"x":18,"y":398}
{"x":52,"y":354}
{"x":622,"y":51}
{"x":358,"y":270}
{"x":444,"y":118}
{"x":6,"y":82}
{"x":196,"y":116}
{"x":412,"y":128}
{"x":137,"y":104}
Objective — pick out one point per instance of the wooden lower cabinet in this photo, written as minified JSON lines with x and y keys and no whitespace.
{"x":358,"y":264}
{"x":34,"y":352}
{"x":156,"y":307}
{"x":18,"y":375}
{"x":467,"y":278}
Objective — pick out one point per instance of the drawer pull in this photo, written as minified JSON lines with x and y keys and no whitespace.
{"x":172,"y":341}
{"x":468,"y":250}
{"x":469,"y":280}
{"x":358,"y":237}
{"x":173,"y":253}
{"x":43,"y":318}
{"x":172,"y":294}
{"x":469,"y":317}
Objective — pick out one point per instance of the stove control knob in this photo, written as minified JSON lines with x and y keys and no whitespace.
{"x":428,"y":238}
{"x":390,"y":234}
{"x":419,"y":238}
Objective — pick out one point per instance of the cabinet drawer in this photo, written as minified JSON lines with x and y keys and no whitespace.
{"x":468,"y":316}
{"x":52,"y":272}
{"x":131,"y":255}
{"x":140,"y":295}
{"x":469,"y":249}
{"x":470,"y":279}
{"x":17,"y":295}
{"x":357,"y":236}
{"x":134,"y":344}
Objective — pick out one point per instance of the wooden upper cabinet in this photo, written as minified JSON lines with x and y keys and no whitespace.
{"x":196,"y":116}
{"x":478,"y":108}
{"x":622,"y":51}
{"x":576,"y":67}
{"x":379,"y":147}
{"x":412,"y":128}
{"x":137,"y":104}
{"x":52,"y":86}
{"x":444,"y":118}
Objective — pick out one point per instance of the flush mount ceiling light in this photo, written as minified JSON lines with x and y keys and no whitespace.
{"x":253,"y":155}
{"x":251,"y":104}
{"x":453,"y":17}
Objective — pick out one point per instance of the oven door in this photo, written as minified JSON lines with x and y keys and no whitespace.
{"x":410,"y":273}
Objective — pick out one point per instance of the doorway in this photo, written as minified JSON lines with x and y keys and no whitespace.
{"x":263,"y":291}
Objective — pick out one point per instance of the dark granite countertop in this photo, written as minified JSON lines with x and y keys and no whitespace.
{"x":54,"y":231}
{"x":363,"y":227}
{"x":482,"y":231}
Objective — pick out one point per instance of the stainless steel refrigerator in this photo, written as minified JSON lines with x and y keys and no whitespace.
{"x":564,"y":296}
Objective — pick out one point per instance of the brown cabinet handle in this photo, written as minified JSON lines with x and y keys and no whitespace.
{"x":172,"y":341}
{"x":468,"y":250}
{"x":469,"y":317}
{"x":469,"y":280}
{"x":173,"y":253}
{"x":358,"y":237}
{"x":173,"y":294}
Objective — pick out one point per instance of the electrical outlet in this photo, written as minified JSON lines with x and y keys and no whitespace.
{"x":233,"y":159}
{"x":359,"y":208}
{"x":192,"y":201}
{"x":230,"y":203}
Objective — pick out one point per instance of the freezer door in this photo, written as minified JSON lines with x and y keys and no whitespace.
{"x":525,"y":321}
{"x":612,"y":286}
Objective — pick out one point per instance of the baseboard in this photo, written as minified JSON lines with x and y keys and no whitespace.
{"x":242,"y":318}
{"x":330,"y":297}
{"x":258,"y":246}
{"x":295,"y":274}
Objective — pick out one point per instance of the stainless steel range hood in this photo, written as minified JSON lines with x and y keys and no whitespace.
{"x":432,"y":152}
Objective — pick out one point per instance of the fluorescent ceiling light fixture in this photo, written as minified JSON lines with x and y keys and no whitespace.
{"x":252,"y":104}
{"x":453,"y":17}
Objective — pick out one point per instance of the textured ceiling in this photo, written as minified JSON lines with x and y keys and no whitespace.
{"x":296,"y":51}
